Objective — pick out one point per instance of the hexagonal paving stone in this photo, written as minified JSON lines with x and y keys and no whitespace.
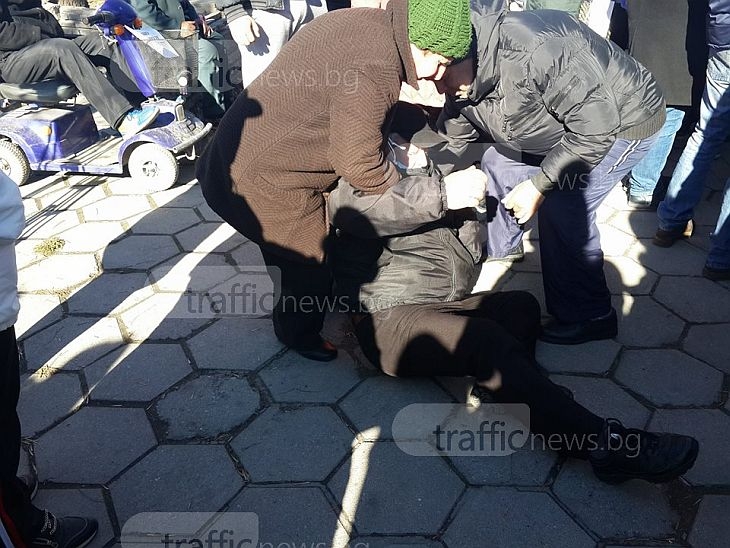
{"x":46,"y":399}
{"x":392,"y":396}
{"x":365,"y":484}
{"x":711,"y":528}
{"x":137,"y":372}
{"x":625,"y":275}
{"x":110,"y":293}
{"x":682,"y":259}
{"x":526,"y":281}
{"x":139,"y":252}
{"x":260,"y":344}
{"x":642,"y":224}
{"x":72,"y":343}
{"x":162,"y":316}
{"x":90,"y":237}
{"x":188,"y":195}
{"x":614,"y":242}
{"x":177,"y":478}
{"x":523,"y":518}
{"x":165,"y":220}
{"x":193,"y":272}
{"x":605,"y":398}
{"x":72,"y":197}
{"x":293,"y":445}
{"x":637,"y":313}
{"x":46,"y":224}
{"x":207,"y":406}
{"x":289,"y":516}
{"x":711,"y":427}
{"x":710,"y":343}
{"x":25,"y":254}
{"x":525,"y":467}
{"x":116,"y":208}
{"x":79,"y":502}
{"x":293,"y":378}
{"x":694,"y":299}
{"x":93,"y":445}
{"x":57,"y":272}
{"x":669,"y":377}
{"x":207,"y":214}
{"x":394,"y":542}
{"x":633,"y":510}
{"x":593,"y":357}
{"x":37,"y":312}
{"x":210,"y":237}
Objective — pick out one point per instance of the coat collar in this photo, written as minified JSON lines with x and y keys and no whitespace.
{"x":398,"y":12}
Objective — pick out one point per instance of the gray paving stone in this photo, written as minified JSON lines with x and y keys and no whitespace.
{"x":79,"y":502}
{"x":710,"y":343}
{"x":711,"y":528}
{"x":90,"y":237}
{"x":161,"y":317}
{"x":110,"y":293}
{"x":526,"y":281}
{"x":392,"y":395}
{"x":72,"y":197}
{"x":207,"y":214}
{"x":682,"y":259}
{"x":46,"y":399}
{"x":633,"y":510}
{"x":338,"y":329}
{"x":192,"y":272}
{"x":93,"y":445}
{"x":289,"y":516}
{"x":365,"y":484}
{"x":593,"y":357}
{"x":165,"y":220}
{"x":642,"y":322}
{"x":72,"y":343}
{"x":523,"y":518}
{"x":188,"y":195}
{"x":394,"y":542}
{"x":136,"y":372}
{"x":57,"y":273}
{"x":525,"y":467}
{"x":25,"y":254}
{"x":177,"y":478}
{"x":292,"y":378}
{"x":258,"y":344}
{"x":37,"y":312}
{"x":210,"y":237}
{"x":46,"y":224}
{"x":625,"y":275}
{"x":116,"y":208}
{"x":606,"y":399}
{"x":458,"y":387}
{"x":694,"y":299}
{"x":712,"y":430}
{"x":642,"y":224}
{"x":614,"y":242}
{"x":207,"y":406}
{"x":139,"y":252}
{"x":669,"y":377}
{"x":293,"y":445}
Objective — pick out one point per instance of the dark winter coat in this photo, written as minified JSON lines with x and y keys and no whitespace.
{"x":20,"y":32}
{"x":234,"y":9}
{"x":718,"y":28}
{"x":164,"y":14}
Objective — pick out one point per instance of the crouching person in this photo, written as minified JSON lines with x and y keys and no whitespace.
{"x":408,"y":260}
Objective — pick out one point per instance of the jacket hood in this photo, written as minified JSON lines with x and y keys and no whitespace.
{"x":486,"y":15}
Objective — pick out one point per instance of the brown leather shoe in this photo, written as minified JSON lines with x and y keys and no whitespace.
{"x":666,"y":238}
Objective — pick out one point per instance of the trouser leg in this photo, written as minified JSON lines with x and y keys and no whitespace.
{"x":210,"y":76}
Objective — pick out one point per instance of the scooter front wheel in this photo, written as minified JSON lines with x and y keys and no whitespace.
{"x":13,"y":162}
{"x":153,"y":165}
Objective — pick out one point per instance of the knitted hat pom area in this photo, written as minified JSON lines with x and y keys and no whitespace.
{"x":440,"y":26}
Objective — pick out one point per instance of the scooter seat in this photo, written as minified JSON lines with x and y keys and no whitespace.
{"x":47,"y":91}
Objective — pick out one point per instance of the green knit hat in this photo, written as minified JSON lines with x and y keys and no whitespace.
{"x":440,"y":26}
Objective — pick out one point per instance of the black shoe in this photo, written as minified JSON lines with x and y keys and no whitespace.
{"x":627,"y":453}
{"x":640,"y":202}
{"x":321,"y":351}
{"x":69,"y":532}
{"x":557,"y":332}
{"x":515,"y":255}
{"x":667,"y":238}
{"x":716,"y":274}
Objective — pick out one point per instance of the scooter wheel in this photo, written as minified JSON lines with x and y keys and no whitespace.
{"x":14,"y":163}
{"x":153,"y":165}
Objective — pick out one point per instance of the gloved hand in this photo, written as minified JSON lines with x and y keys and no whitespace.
{"x":465,"y":188}
{"x":405,"y":155}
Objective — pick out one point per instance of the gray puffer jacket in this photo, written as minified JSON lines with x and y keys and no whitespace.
{"x":549,"y":86}
{"x":233,"y":9}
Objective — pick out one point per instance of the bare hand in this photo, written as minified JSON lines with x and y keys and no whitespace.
{"x":251,"y":32}
{"x":188,"y":28}
{"x":523,"y":200}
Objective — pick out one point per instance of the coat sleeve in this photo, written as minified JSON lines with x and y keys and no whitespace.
{"x":189,"y":10}
{"x":151,"y":14}
{"x":574,"y":90}
{"x":459,"y":133}
{"x":15,"y":36}
{"x":358,"y":114}
{"x":414,"y":201}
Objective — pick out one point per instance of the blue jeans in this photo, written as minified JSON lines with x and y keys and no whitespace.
{"x":687,"y":184}
{"x":645,"y":175}
{"x":570,"y":244}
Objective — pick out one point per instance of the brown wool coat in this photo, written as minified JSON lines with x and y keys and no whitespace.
{"x":317,"y":113}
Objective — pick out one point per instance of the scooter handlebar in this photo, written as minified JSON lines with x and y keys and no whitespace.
{"x":101,"y":17}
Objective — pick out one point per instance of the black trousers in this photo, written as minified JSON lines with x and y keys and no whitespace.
{"x":67,"y":59}
{"x":303,"y":291}
{"x":490,"y":336}
{"x":14,"y":496}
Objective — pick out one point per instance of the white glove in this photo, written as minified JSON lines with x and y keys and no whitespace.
{"x":405,"y":155}
{"x":466,"y":188}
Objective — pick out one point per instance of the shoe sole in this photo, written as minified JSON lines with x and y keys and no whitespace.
{"x":582,"y":340}
{"x":621,"y":477}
